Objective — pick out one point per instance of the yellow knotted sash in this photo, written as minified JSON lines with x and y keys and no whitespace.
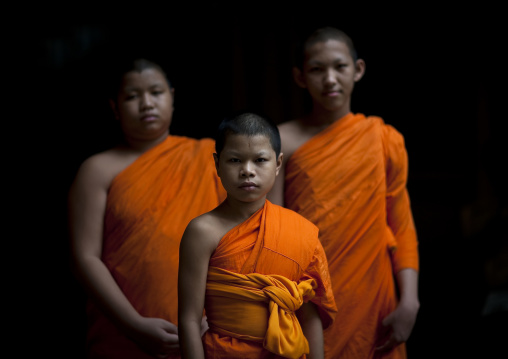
{"x":259,"y":308}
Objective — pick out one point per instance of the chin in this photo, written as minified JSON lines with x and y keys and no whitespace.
{"x":250,"y":199}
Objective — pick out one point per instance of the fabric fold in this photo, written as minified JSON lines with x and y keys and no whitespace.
{"x":283,"y":334}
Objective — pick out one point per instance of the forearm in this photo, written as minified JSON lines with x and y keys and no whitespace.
{"x":401,"y":321}
{"x":407,"y":280}
{"x":312,"y":328}
{"x":105,"y":292}
{"x":191,"y":345}
{"x":400,"y":221}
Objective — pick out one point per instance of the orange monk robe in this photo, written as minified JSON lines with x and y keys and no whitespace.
{"x":260,"y":308}
{"x":350,"y":181}
{"x":149,"y":205}
{"x":273,"y":241}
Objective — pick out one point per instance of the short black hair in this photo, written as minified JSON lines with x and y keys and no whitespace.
{"x":248,"y":124}
{"x":123,"y":67}
{"x":322,"y":34}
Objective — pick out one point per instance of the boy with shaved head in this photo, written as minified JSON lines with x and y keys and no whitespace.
{"x":258,"y":269}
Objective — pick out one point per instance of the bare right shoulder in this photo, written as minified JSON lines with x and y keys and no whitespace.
{"x":205,"y":229}
{"x":100,"y":169}
{"x":87,"y":200}
{"x":201,"y":237}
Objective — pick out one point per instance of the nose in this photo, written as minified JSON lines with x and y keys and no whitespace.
{"x":247,"y":170}
{"x":330,"y":77}
{"x":146,"y":101}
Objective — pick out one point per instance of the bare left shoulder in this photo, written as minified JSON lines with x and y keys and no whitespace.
{"x":292,"y":136}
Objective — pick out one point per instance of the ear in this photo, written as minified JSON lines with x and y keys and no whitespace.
{"x":279,"y":164}
{"x":216,"y":160}
{"x":298,"y":77}
{"x":112,"y":104}
{"x":359,"y":69}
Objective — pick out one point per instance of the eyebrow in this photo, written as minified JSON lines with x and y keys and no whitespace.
{"x":234,"y":152}
{"x":134,"y":88}
{"x":317,"y":62}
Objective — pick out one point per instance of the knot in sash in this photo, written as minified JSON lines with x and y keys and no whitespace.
{"x":259,"y":308}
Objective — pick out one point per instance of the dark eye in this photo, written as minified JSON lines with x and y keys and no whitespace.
{"x":235,"y":160}
{"x":315,"y":69}
{"x":157,"y":92}
{"x":261,"y":159}
{"x":131,"y":97}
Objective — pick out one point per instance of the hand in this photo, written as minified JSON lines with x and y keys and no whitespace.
{"x":204,"y":325}
{"x":156,"y":336}
{"x":398,"y":325}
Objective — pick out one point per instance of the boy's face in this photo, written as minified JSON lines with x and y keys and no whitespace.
{"x":329,"y":74}
{"x":247,"y":167}
{"x":144,"y":105}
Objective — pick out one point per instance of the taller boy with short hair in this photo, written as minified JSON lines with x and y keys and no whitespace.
{"x":258,"y":269}
{"x":347,"y":174}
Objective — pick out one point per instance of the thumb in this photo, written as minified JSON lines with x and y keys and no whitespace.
{"x":170,"y":327}
{"x":388,"y":320}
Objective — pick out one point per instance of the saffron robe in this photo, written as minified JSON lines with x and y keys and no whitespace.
{"x":350,"y":181}
{"x":260,"y":308}
{"x":273,"y":241}
{"x":149,"y":205}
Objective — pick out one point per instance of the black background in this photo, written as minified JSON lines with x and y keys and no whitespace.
{"x":437,"y":74}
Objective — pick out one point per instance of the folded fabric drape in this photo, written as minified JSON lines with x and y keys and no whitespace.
{"x":274,"y":322}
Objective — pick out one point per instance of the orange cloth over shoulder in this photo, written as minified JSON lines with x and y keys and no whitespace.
{"x":350,"y":181}
{"x":149,"y":205}
{"x":273,"y":243}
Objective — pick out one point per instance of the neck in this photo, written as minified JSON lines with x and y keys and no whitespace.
{"x":322,"y":118}
{"x":141,"y":145}
{"x":240,"y":211}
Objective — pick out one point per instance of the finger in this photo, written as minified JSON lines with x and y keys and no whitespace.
{"x":170,"y":327}
{"x":388,"y":345}
{"x":169,"y":350}
{"x":204,"y":326}
{"x":388,"y":320}
{"x":170,"y":340}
